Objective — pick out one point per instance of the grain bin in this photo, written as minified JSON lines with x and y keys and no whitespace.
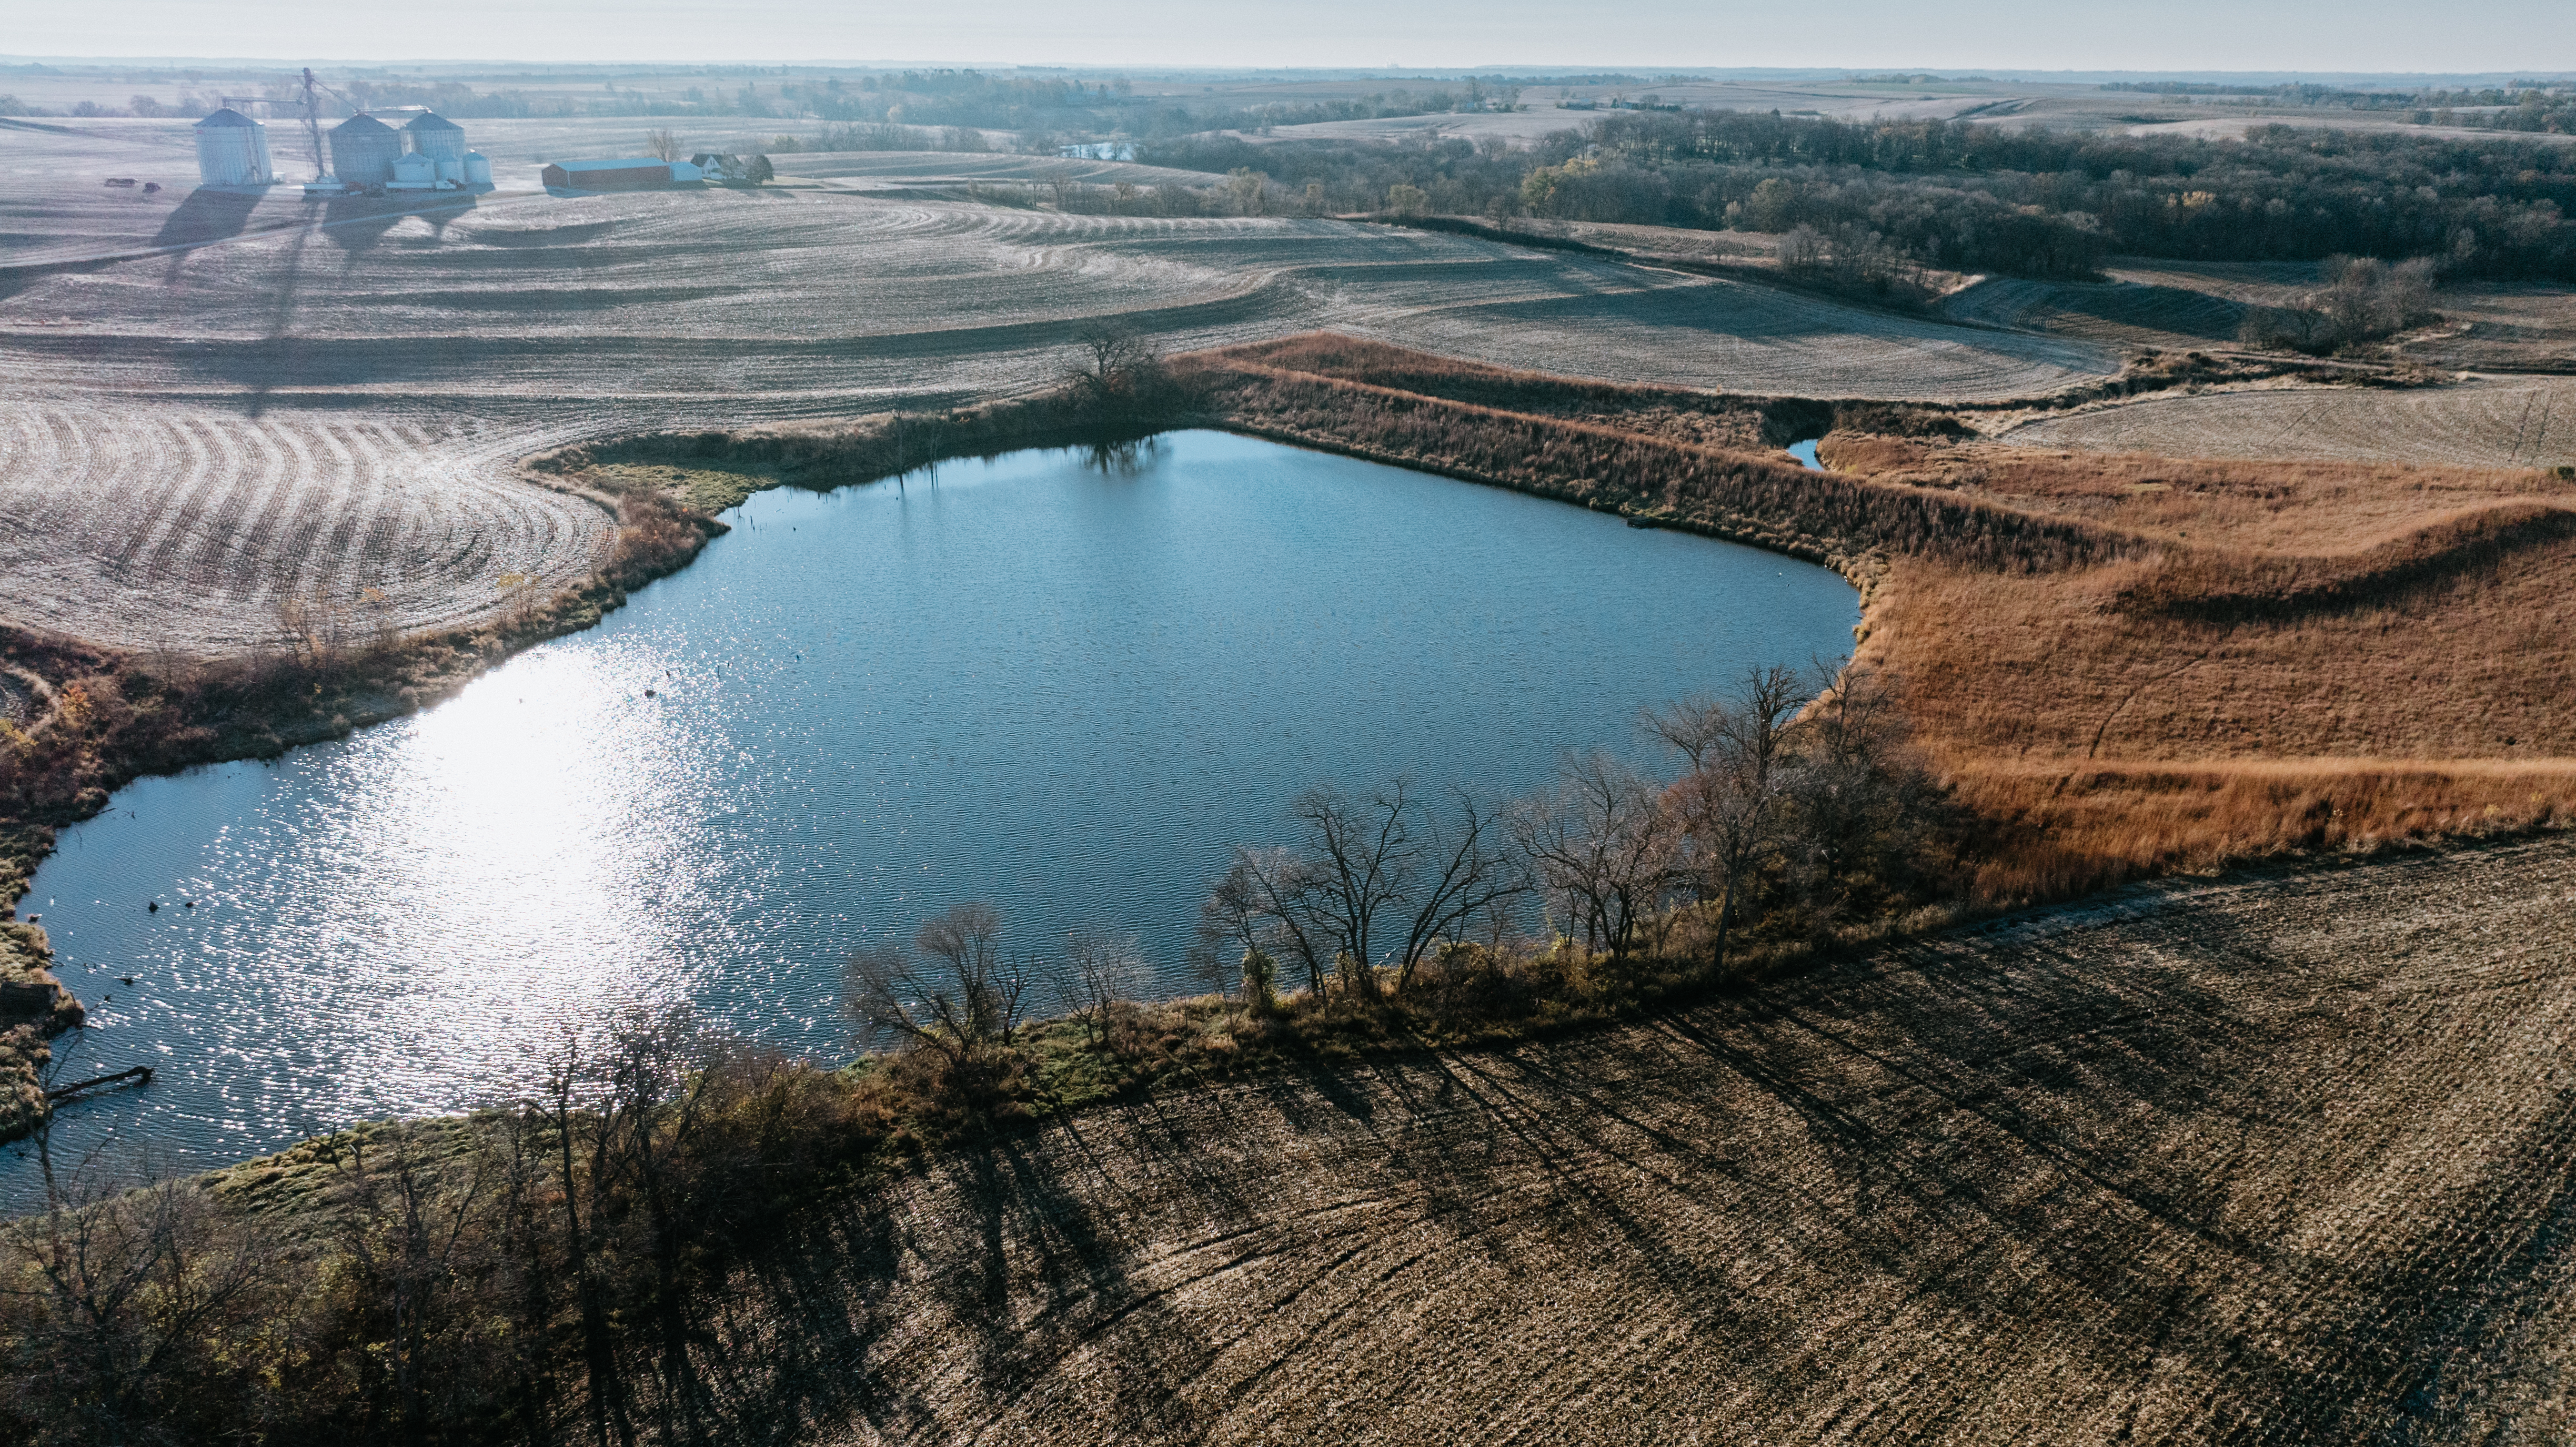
{"x":478,"y":169}
{"x":363,"y":150}
{"x":232,"y":150}
{"x":436,"y":137}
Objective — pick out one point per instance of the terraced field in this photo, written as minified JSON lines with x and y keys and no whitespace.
{"x":2278,"y":1160}
{"x":2491,"y":422}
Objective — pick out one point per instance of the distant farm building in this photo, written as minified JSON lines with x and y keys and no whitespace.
{"x":436,"y":137}
{"x":232,"y":150}
{"x":363,"y":152}
{"x":634,"y":173}
{"x":716,"y":166}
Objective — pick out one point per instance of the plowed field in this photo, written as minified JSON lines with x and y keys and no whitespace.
{"x":520,"y":321}
{"x":2278,"y":1160}
{"x":2495,"y":422}
{"x":143,"y":524}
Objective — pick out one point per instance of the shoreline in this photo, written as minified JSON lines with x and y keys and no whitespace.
{"x":1722,"y":492}
{"x":658,"y":535}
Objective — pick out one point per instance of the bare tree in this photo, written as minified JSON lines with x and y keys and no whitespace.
{"x":1733,"y":807}
{"x":1360,"y":857}
{"x":662,"y":145}
{"x":1268,"y":903}
{"x":1103,"y":970}
{"x":1462,"y":875}
{"x":402,"y":1230}
{"x":954,"y":992}
{"x":1372,"y":881}
{"x":135,"y":1301}
{"x":1603,"y":847}
{"x":1116,"y":361}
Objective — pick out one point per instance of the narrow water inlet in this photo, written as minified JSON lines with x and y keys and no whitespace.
{"x":1805,"y":452}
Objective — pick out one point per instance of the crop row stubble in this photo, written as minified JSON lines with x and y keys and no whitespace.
{"x":2267,"y":1160}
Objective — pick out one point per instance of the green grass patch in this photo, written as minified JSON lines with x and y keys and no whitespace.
{"x":708,"y":489}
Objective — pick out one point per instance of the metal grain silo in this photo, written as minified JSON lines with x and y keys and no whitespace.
{"x":232,"y":150}
{"x":363,"y":150}
{"x":478,"y":169}
{"x":436,"y":137}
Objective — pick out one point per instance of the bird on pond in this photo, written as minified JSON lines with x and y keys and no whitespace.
{"x":153,"y":908}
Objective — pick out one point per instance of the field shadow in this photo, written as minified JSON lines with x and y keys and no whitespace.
{"x":209,"y":213}
{"x":359,"y":223}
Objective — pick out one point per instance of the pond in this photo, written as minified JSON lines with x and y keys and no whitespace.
{"x":1065,"y":689}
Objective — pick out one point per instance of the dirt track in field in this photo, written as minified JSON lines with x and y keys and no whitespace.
{"x":2255,"y":1160}
{"x":2490,"y":422}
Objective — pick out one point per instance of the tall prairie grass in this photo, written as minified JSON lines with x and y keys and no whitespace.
{"x":2119,"y":665}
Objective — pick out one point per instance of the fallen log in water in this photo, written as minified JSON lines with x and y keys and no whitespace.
{"x":142,"y":1073}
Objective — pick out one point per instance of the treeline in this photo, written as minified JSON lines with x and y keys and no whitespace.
{"x":1967,"y":197}
{"x":1055,"y":110}
{"x":663,"y":1238}
{"x":2521,"y":106}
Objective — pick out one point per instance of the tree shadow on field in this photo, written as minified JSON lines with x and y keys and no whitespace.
{"x":958,"y":1294}
{"x":1036,"y":1272}
{"x":210,"y":213}
{"x":2101,"y":1126}
{"x":793,"y":1347}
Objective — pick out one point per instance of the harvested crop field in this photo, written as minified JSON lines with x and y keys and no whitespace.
{"x":524,"y":321}
{"x":733,"y":292}
{"x":2485,"y":422}
{"x":144,"y":524}
{"x":2116,"y":313}
{"x":2265,"y":1159}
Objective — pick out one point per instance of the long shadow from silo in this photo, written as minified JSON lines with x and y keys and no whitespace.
{"x":359,"y":223}
{"x":210,"y":213}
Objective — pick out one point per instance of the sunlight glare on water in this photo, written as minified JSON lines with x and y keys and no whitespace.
{"x":1065,"y":691}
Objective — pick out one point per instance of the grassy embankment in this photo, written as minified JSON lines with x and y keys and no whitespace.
{"x":2121,"y":665}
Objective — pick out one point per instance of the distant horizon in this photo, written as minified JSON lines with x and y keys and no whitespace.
{"x":2027,"y":37}
{"x":1954,"y":74}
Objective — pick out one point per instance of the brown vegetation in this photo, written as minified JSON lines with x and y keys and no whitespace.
{"x":2106,"y":668}
{"x":2120,"y":664}
{"x":2196,"y":1161}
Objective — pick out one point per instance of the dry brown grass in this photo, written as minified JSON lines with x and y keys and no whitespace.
{"x":2123,"y":664}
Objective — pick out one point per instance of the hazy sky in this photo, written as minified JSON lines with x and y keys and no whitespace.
{"x":2351,"y":35}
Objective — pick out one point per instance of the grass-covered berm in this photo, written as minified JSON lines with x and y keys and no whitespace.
{"x":2119,"y":664}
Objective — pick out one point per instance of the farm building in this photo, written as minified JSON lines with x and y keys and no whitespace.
{"x":436,"y":137}
{"x":232,"y":150}
{"x":634,"y":173}
{"x":363,"y":150}
{"x":718,"y":166}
